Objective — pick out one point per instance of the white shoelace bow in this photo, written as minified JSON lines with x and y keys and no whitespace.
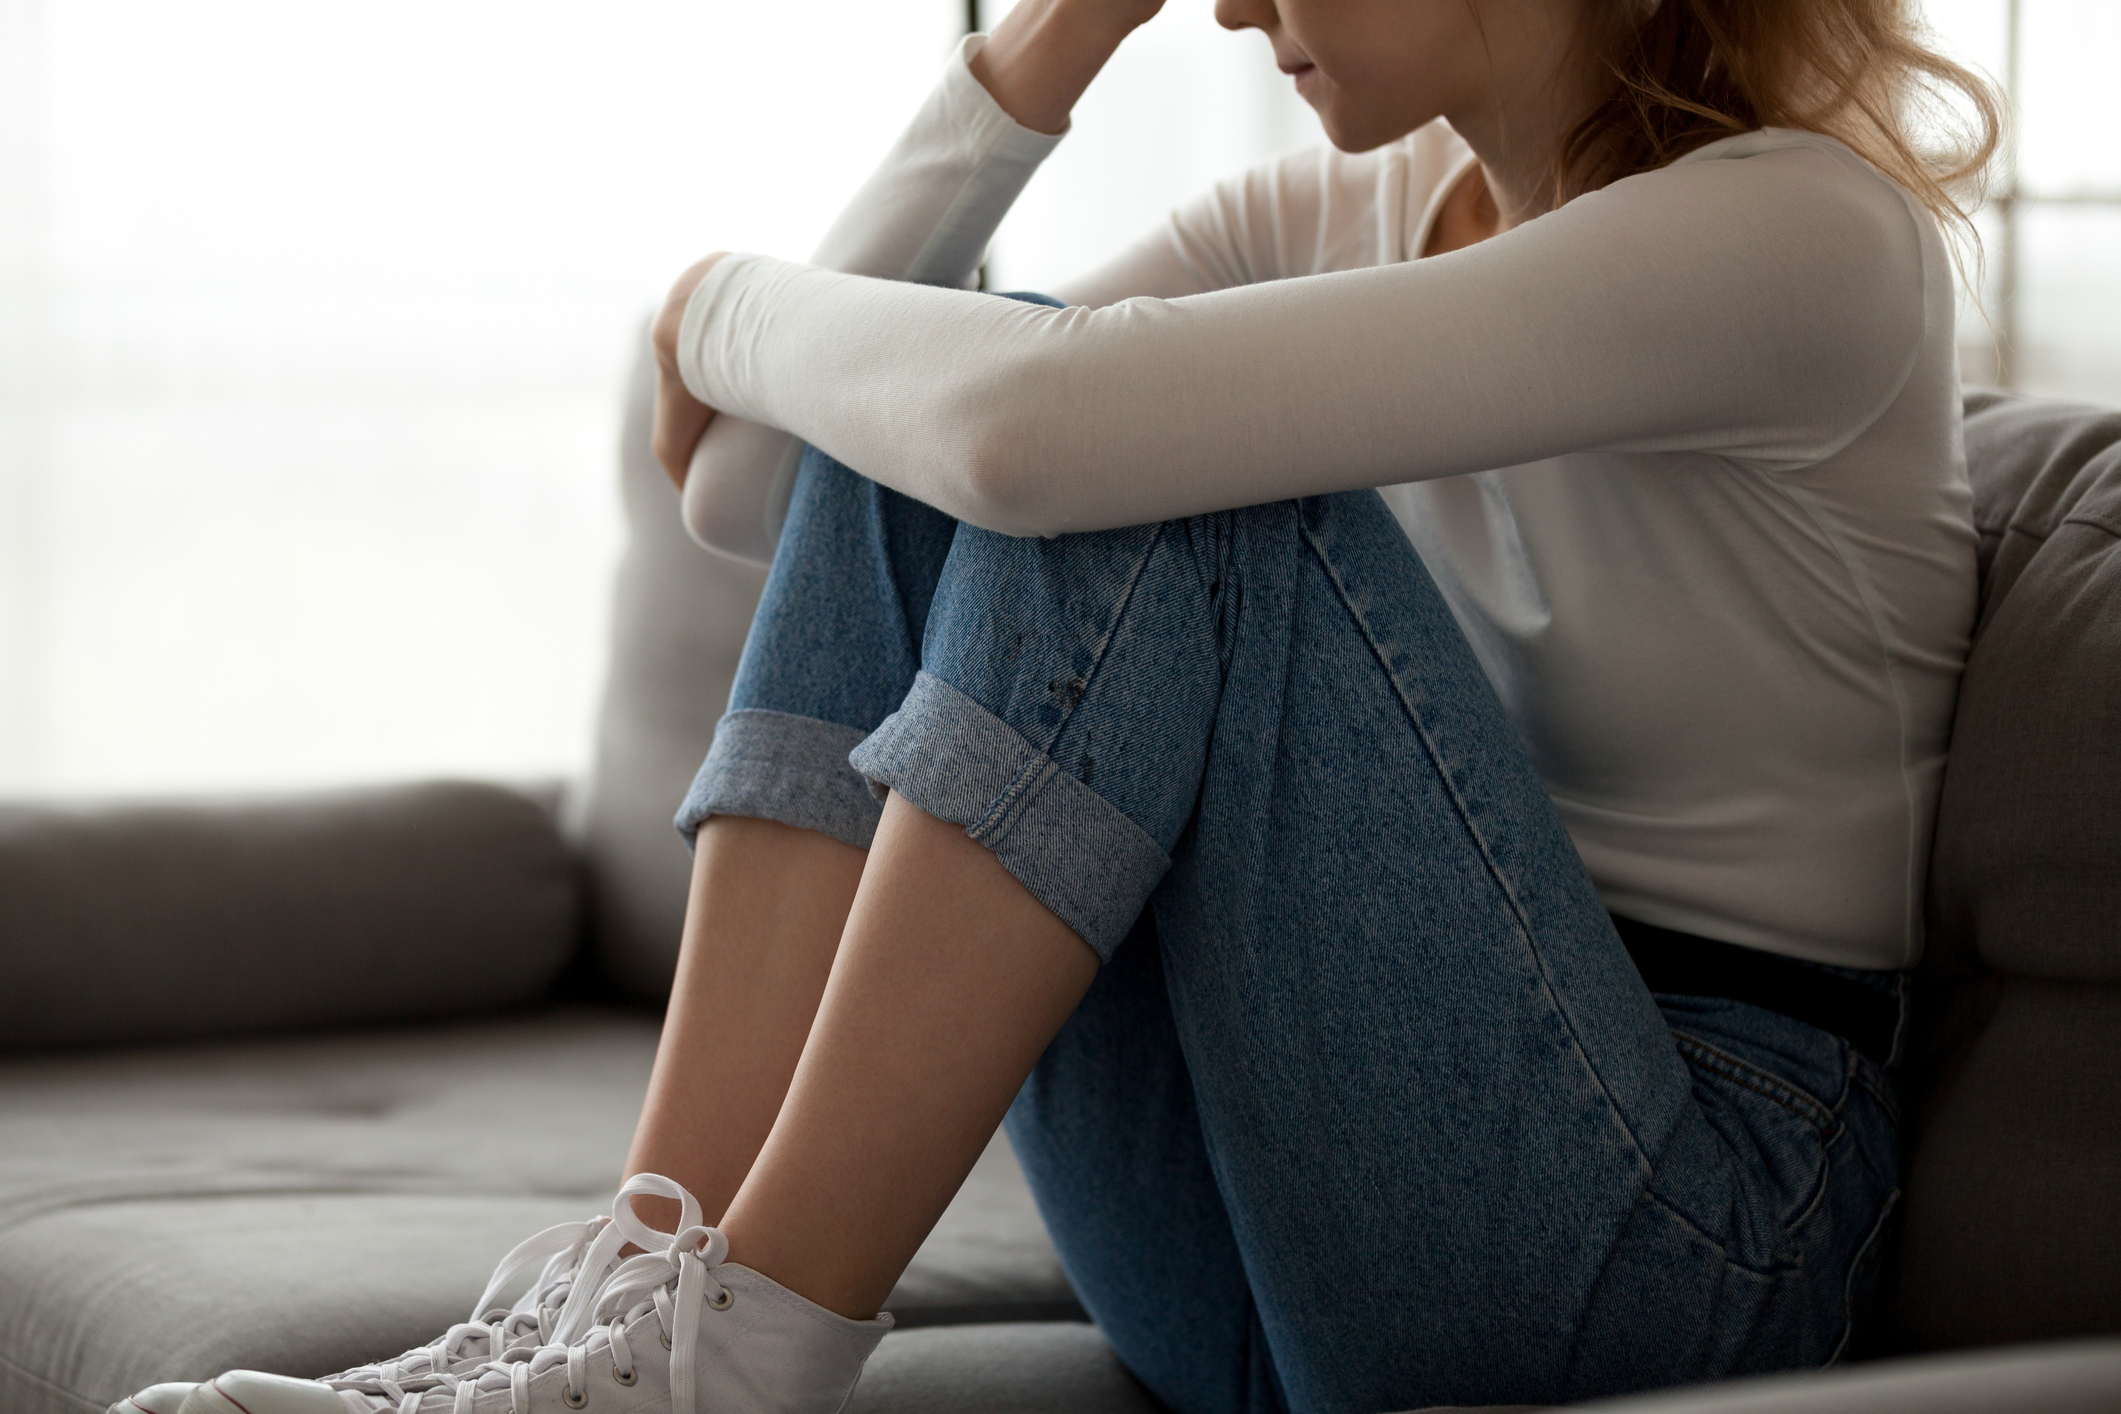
{"x":672,"y":1274}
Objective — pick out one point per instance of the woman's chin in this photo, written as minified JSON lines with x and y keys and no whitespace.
{"x":1351,"y":133}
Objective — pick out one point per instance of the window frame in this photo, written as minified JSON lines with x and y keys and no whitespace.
{"x":2009,"y":200}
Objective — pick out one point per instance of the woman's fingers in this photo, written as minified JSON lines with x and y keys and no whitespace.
{"x":680,"y":418}
{"x":680,"y":421}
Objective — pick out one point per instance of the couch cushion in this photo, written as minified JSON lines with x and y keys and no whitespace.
{"x":2012,"y":1220}
{"x":300,"y":1206}
{"x":2012,"y":1223}
{"x":2052,"y":1379}
{"x":678,"y":620}
{"x":2027,"y":863}
{"x":1055,"y":1367}
{"x":144,"y":923}
{"x":1069,"y":1369}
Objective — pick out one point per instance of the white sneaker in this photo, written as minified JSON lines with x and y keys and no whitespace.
{"x":568,"y":1258}
{"x":677,"y":1330}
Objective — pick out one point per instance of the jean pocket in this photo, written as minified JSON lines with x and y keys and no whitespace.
{"x":1740,"y":1078}
{"x":1774,"y":1091}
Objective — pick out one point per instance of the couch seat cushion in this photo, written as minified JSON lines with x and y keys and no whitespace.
{"x":1062,"y":1368}
{"x":303,"y":1205}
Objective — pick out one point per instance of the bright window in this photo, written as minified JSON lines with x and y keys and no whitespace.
{"x":2052,"y":228}
{"x":313,"y":319}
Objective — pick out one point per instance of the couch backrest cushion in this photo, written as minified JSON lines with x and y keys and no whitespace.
{"x":2027,"y":864}
{"x":679,"y":617}
{"x":2013,"y":1189}
{"x":163,"y":922}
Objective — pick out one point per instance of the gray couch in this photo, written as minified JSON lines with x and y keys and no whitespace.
{"x":248,"y":1116}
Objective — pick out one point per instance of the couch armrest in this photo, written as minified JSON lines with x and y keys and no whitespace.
{"x":158,"y":922}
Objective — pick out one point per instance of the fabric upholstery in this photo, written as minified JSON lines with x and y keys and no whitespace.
{"x":1063,"y":1368}
{"x":154,"y":922}
{"x":2013,"y":1198}
{"x":301,"y":1205}
{"x":679,"y":616}
{"x":1051,"y":1367}
{"x":2013,"y":1190}
{"x":2027,"y":862}
{"x":2051,"y":1379}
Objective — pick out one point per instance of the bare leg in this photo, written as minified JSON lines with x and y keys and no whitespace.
{"x":950,"y":980}
{"x":768,"y":904}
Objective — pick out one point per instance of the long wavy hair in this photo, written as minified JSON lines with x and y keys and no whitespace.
{"x":1687,"y":72}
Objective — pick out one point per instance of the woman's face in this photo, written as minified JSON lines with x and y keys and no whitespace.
{"x":1376,"y":70}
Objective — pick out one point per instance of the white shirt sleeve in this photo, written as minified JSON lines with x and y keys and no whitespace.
{"x":1760,"y":299}
{"x":1304,"y":214}
{"x":926,"y":216}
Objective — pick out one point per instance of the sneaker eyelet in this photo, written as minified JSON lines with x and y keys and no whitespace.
{"x":722,"y":1300}
{"x":629,"y":1378}
{"x":573,"y":1399}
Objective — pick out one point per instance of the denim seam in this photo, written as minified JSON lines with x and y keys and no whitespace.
{"x":1010,"y":805}
{"x":1821,"y":1187}
{"x":1857,"y":1138}
{"x":1807,"y":1107}
{"x":1472,"y":828}
{"x":1649,"y":1195}
{"x":1865,"y":1254}
{"x":1104,"y":643}
{"x":1866,"y":1073}
{"x":1723,"y":1249}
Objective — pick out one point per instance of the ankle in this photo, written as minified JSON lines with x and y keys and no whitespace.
{"x":825,"y":1279}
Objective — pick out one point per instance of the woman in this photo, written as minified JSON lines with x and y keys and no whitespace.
{"x":1441,"y":946}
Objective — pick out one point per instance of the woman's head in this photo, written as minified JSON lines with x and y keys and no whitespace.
{"x":1625,"y":86}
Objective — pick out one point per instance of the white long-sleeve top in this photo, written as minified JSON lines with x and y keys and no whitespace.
{"x":1683,"y":456}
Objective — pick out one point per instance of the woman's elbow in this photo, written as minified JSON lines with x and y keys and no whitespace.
{"x":1000,"y":480}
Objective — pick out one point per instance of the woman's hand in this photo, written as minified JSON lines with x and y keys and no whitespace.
{"x":1044,"y":53}
{"x":680,"y":418}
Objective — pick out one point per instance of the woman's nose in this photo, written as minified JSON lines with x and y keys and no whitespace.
{"x":1246,"y":14}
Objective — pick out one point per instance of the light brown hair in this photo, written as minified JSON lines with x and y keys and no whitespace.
{"x":1687,"y":72}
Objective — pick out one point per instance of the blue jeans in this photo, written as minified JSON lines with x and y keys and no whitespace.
{"x":1368,"y":1108}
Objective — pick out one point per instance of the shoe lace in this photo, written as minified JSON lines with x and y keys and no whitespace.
{"x":567,"y":1258}
{"x":670,"y":1280}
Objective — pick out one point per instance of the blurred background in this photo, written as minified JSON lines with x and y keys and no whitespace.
{"x":314,"y":318}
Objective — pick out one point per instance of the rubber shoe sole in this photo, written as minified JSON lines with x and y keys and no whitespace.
{"x":251,"y":1392}
{"x":155,"y":1399}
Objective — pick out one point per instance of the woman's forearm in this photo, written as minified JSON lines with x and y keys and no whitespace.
{"x":925,"y":216}
{"x":1763,"y":310}
{"x":1044,"y":53}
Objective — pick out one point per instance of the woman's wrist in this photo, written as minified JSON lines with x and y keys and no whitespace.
{"x":1044,"y":53}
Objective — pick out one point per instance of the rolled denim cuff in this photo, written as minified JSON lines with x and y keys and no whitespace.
{"x":1074,"y":850}
{"x":777,"y":766}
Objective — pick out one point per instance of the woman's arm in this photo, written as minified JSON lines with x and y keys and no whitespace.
{"x":926,"y":216}
{"x":1765,"y":304}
